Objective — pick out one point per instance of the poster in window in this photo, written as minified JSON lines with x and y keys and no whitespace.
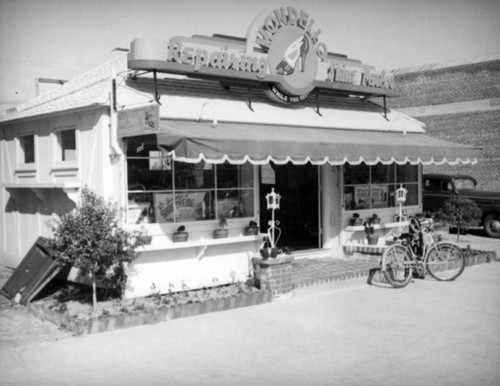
{"x":380,"y":196}
{"x":362,"y":197}
{"x":159,"y":161}
{"x":189,"y":206}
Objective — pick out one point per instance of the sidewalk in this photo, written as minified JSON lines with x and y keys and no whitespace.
{"x":19,"y":328}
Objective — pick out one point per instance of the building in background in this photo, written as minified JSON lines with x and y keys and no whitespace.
{"x":460,"y":102}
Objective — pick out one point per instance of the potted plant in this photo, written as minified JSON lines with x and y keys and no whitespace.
{"x":144,"y":238}
{"x":374,"y":219}
{"x":370,"y":233}
{"x":222,"y":231}
{"x":181,"y":234}
{"x":252,"y":228}
{"x":266,"y":251}
{"x":355,"y":220}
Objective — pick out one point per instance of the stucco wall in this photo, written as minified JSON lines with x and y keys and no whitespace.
{"x":34,"y":192}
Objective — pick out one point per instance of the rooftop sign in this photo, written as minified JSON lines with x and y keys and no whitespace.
{"x":282,"y":49}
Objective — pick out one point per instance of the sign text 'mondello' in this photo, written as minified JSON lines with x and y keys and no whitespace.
{"x":282,"y":49}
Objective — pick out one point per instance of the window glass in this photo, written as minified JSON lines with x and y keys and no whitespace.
{"x":412,"y":196}
{"x":150,"y":173}
{"x":28,"y":149}
{"x":193,"y":176}
{"x":67,"y":141}
{"x":356,"y":174}
{"x":432,"y":185}
{"x":367,"y":187}
{"x":349,"y":203}
{"x":406,"y":173}
{"x":140,"y":208}
{"x":193,"y":206}
{"x":235,"y":203}
{"x":464,"y":183}
{"x":179,"y":192}
{"x":163,"y":204}
{"x":379,"y":196}
{"x":380,"y":174}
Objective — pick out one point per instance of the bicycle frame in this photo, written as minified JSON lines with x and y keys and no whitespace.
{"x":419,"y":262}
{"x":419,"y":252}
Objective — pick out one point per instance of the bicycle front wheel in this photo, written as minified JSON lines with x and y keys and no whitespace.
{"x":445,"y":261}
{"x":397,"y":266}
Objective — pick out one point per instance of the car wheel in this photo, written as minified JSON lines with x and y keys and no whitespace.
{"x":492,"y":225}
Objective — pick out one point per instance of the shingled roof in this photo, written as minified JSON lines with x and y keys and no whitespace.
{"x":89,"y":89}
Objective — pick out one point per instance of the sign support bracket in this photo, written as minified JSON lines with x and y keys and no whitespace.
{"x":317,"y":103}
{"x":385,"y":102}
{"x":249,"y":103}
{"x":157,"y":94}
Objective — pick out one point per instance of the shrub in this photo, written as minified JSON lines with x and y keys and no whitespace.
{"x":90,"y":239}
{"x":459,"y":212}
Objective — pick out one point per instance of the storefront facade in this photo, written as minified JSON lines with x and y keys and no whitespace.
{"x":183,"y":131}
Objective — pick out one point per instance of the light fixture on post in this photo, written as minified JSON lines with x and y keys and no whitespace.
{"x":273,"y":203}
{"x":273,"y":200}
{"x":400,"y":200}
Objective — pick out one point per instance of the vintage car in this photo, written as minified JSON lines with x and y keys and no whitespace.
{"x":438,"y":187}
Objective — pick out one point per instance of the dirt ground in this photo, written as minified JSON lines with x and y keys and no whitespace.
{"x":19,"y":328}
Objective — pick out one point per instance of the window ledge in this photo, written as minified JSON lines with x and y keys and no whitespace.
{"x":36,"y":185}
{"x":199,"y":243}
{"x":65,"y":166}
{"x":376,"y":226}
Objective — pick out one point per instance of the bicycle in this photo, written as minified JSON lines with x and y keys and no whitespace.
{"x":419,"y":253}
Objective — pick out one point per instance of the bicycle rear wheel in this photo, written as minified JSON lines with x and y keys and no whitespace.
{"x":445,"y":261}
{"x":397,"y":266}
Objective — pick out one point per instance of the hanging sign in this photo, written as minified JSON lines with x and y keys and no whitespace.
{"x":141,"y":120}
{"x":282,"y":49}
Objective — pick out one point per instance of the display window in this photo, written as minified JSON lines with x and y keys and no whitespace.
{"x":161,"y":190}
{"x":374,"y":186}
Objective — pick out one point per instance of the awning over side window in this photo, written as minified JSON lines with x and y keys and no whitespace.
{"x":238,"y":143}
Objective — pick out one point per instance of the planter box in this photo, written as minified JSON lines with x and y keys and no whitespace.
{"x":47,"y":311}
{"x":251,"y":231}
{"x":220,"y":233}
{"x":180,"y":237}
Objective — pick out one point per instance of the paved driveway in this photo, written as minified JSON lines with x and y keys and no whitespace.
{"x":429,"y":333}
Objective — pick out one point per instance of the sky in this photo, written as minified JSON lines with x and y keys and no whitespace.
{"x":59,"y":39}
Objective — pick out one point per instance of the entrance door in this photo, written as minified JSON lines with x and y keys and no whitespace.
{"x":299,"y":208}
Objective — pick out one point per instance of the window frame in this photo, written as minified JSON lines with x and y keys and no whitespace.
{"x":59,"y":157}
{"x":22,"y":150}
{"x":392,"y":185}
{"x":212,"y":190}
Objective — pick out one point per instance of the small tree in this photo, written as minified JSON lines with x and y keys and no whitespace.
{"x":460,"y":212}
{"x":90,"y":239}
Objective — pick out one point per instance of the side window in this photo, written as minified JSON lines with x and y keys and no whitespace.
{"x":432,"y":185}
{"x":67,"y":144}
{"x":446,"y":186}
{"x":27,"y":144}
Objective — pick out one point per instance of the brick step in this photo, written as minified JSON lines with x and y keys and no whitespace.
{"x":312,"y":254}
